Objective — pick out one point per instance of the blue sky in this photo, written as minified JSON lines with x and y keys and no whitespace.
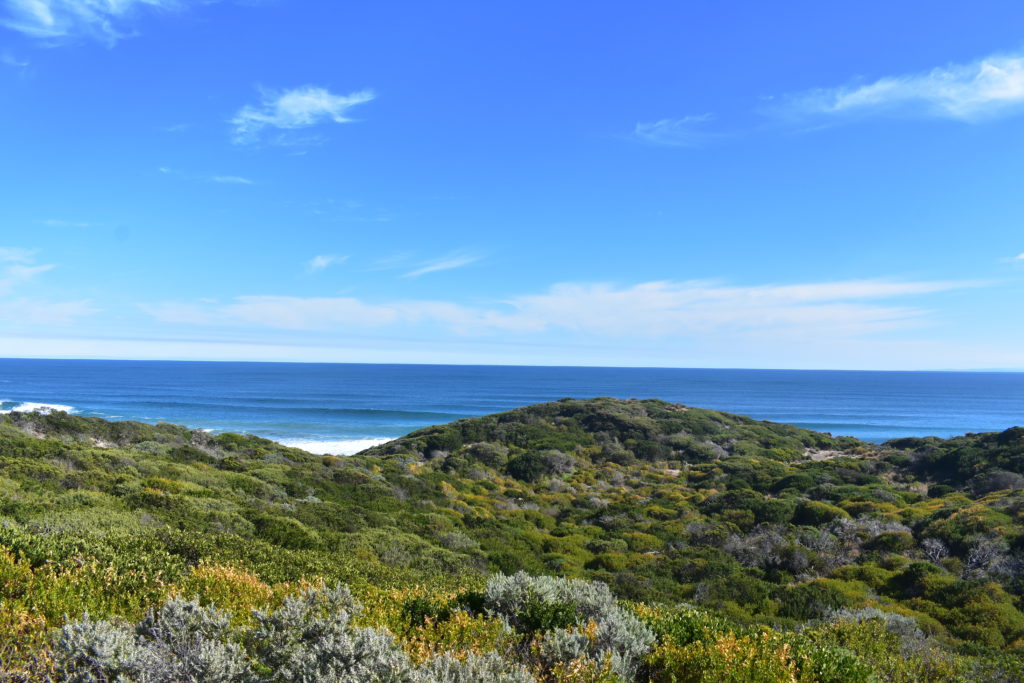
{"x":700,"y":184}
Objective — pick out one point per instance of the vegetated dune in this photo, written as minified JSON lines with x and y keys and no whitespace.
{"x":734,"y":542}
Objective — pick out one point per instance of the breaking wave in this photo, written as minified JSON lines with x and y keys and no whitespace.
{"x":349,"y":447}
{"x":32,"y":407}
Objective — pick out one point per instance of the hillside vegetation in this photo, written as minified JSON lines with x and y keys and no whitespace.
{"x":689,"y":545}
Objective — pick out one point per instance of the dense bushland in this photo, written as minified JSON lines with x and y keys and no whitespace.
{"x":743,"y":550}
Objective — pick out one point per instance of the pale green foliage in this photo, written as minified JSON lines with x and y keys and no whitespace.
{"x":519,"y":598}
{"x":86,"y":651}
{"x":563,"y":646}
{"x":901,"y":625}
{"x":182,"y":641}
{"x":310,"y":638}
{"x":189,"y":642}
{"x":509,"y":596}
{"x":486,"y":668}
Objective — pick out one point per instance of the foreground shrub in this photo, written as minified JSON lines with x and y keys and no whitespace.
{"x":854,"y":646}
{"x":750,"y":659}
{"x":571,"y":620}
{"x":309,"y":638}
{"x":229,"y":588}
{"x":887,"y":645}
{"x":486,"y":668}
{"x":182,"y":641}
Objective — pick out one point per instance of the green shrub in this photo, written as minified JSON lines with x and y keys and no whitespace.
{"x":814,"y":513}
{"x":286,"y":532}
{"x":812,"y":600}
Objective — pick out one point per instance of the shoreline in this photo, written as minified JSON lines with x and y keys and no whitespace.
{"x":333,"y":446}
{"x":338,"y":409}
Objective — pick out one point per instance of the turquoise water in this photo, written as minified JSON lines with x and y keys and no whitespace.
{"x":342,"y":407}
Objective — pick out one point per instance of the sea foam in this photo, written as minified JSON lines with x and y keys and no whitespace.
{"x":350,"y":447}
{"x":32,"y":407}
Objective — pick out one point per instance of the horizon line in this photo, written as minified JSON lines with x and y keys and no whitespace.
{"x":509,"y":365}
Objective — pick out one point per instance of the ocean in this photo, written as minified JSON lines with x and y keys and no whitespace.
{"x":343,"y":408}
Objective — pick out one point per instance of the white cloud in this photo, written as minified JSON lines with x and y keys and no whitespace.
{"x":684,"y":132}
{"x":900,"y":354}
{"x":981,"y":90}
{"x":444,"y":263}
{"x":297,"y":108}
{"x":327,"y":313}
{"x":222,"y":179}
{"x":19,"y":269}
{"x":656,"y":309}
{"x":651,"y":310}
{"x":17,"y":274}
{"x":391,"y":261}
{"x":54,"y":223}
{"x":179,"y":314}
{"x":298,"y":313}
{"x":1019,"y":257}
{"x":322,"y":261}
{"x":24,"y":310}
{"x":17,"y":255}
{"x":57,"y":19}
{"x":986,"y":88}
{"x":8,"y":59}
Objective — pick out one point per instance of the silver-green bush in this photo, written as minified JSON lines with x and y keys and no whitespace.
{"x":308,"y":639}
{"x":486,"y":668}
{"x":181,"y":642}
{"x":518,"y":599}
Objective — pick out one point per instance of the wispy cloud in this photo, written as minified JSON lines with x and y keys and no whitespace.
{"x":175,"y":313}
{"x":293,"y":109}
{"x":983,"y":90}
{"x":688,"y":131}
{"x":56,"y":223}
{"x":8,"y":59}
{"x":1016,"y":260}
{"x":280,"y":312}
{"x":17,"y":255}
{"x":222,"y":179}
{"x":986,"y":88}
{"x":445,"y":263}
{"x":393,"y":261}
{"x":302,"y":313}
{"x":699,"y":310}
{"x":322,"y":261}
{"x":105,"y":20}
{"x":24,"y":310}
{"x":18,"y":267}
{"x":14,"y":275}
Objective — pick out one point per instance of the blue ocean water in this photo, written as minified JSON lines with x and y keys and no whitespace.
{"x":342,"y":407}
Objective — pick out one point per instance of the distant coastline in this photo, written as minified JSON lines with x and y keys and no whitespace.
{"x":339,"y":407}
